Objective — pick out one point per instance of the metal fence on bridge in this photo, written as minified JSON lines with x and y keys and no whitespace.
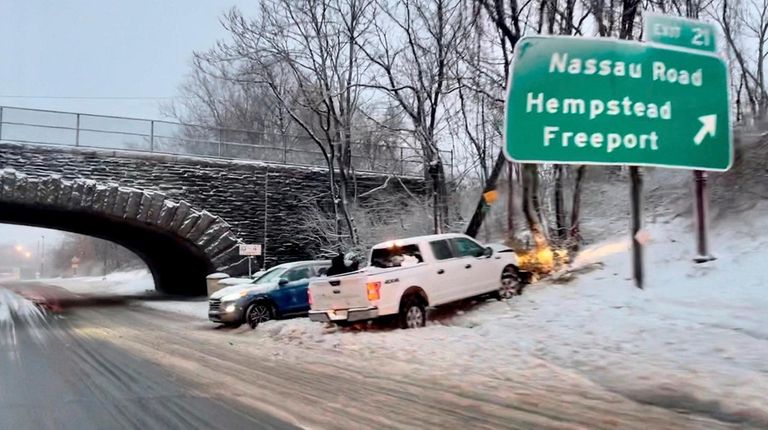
{"x":37,"y":126}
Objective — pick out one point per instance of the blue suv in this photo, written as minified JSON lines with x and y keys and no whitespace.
{"x":280,"y":292}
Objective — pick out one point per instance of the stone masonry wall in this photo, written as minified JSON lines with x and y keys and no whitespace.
{"x":239,"y":192}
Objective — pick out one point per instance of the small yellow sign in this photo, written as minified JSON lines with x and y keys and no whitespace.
{"x":490,"y":196}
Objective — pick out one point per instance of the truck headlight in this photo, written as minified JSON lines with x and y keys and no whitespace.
{"x":230,"y":308}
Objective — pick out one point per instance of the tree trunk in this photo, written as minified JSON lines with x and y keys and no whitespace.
{"x":560,"y":228}
{"x":435,"y":177}
{"x":482,"y":206}
{"x":334,"y":197}
{"x":575,"y":234}
{"x":535,"y":198}
{"x":343,"y":204}
{"x":511,"y":200}
{"x":530,"y":189}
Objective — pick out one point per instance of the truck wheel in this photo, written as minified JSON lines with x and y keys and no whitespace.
{"x":510,"y":284}
{"x":413,"y":313}
{"x":258,"y":313}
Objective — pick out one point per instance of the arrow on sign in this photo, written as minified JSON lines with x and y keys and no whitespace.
{"x":708,"y":127}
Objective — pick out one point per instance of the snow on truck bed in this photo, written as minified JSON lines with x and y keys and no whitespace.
{"x":695,"y":339}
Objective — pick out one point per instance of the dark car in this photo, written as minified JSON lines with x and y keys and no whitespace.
{"x":280,"y":292}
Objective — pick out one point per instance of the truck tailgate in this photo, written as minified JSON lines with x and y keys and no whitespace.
{"x":342,"y":292}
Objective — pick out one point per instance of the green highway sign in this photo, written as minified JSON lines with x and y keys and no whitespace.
{"x":675,"y":31}
{"x":606,"y":101}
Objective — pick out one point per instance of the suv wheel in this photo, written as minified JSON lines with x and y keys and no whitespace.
{"x":510,"y":285}
{"x":258,"y":313}
{"x":413,"y":313}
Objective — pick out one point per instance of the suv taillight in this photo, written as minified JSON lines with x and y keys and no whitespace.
{"x":309,"y":296}
{"x":373,"y":291}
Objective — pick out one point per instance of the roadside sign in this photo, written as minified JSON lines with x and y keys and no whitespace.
{"x":607,"y":101}
{"x":250,"y":250}
{"x":695,"y":35}
{"x":676,"y":31}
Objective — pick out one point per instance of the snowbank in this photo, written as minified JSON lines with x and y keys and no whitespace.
{"x":132,"y":283}
{"x":119,"y":283}
{"x":14,"y":310}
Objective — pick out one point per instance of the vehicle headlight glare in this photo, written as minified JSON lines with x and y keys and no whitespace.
{"x":230,"y":308}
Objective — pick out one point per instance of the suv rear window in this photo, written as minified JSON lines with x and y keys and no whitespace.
{"x":396,"y":256}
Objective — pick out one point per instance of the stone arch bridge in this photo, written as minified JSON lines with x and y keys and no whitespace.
{"x":184,"y":216}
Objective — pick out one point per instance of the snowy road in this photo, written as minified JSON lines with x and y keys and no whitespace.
{"x":53,"y":375}
{"x":178,"y":369}
{"x":583,"y":350}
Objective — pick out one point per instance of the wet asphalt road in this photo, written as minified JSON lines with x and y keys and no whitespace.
{"x":52,"y":377}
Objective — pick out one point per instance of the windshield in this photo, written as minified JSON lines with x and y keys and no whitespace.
{"x":270,"y":276}
{"x":396,"y":256}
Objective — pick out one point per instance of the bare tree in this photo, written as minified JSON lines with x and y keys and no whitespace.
{"x":745,"y":27}
{"x":509,"y":21}
{"x":314,"y":46}
{"x":413,"y":48}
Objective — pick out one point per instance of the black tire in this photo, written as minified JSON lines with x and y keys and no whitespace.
{"x":232,"y":325}
{"x":413,"y":313}
{"x":509,"y":285}
{"x":258,"y":313}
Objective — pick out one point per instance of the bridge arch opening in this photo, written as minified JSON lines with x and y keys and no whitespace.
{"x":177,"y":266}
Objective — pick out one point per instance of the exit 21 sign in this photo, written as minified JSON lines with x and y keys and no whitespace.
{"x":676,"y":31}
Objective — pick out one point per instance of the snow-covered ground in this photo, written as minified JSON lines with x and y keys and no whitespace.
{"x":695,"y":339}
{"x":194,"y":308}
{"x":134,"y":282}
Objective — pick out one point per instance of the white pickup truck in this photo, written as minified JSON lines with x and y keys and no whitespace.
{"x":405,"y":276}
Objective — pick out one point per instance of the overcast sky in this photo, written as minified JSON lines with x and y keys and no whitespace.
{"x":101,"y":49}
{"x":106,"y":52}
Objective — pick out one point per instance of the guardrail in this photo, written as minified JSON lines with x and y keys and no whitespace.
{"x":38,"y":126}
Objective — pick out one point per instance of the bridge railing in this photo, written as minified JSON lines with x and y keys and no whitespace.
{"x":37,"y":126}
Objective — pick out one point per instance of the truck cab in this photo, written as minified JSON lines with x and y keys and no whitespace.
{"x":405,"y":276}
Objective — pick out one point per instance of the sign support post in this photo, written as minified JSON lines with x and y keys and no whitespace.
{"x":702,"y":214}
{"x":692,"y":34}
{"x":636,"y":191}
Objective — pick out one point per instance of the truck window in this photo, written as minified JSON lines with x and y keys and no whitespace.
{"x":321,"y":269}
{"x":441,"y":249}
{"x":396,"y":256}
{"x":467,"y":248}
